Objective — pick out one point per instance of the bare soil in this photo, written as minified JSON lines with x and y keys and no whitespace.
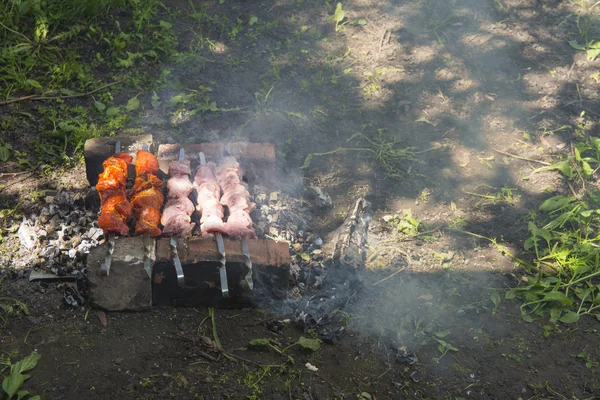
{"x":466,"y":78}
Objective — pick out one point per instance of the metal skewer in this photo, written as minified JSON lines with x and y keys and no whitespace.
{"x":221,"y":248}
{"x":247,"y":283}
{"x":105,"y":266}
{"x":173,"y":242}
{"x":147,"y":242}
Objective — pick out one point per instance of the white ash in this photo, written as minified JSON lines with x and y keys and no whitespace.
{"x":58,"y":236}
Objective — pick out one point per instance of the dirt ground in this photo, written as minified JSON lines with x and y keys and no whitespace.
{"x":470,"y":81}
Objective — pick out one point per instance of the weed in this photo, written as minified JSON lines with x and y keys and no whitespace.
{"x":582,"y":164}
{"x":589,"y":35}
{"x":381,"y":148}
{"x":589,"y":363}
{"x":17,"y":377}
{"x":339,"y":16}
{"x":565,"y":263}
{"x":252,"y":380}
{"x":406,"y":224}
{"x":505,"y":195}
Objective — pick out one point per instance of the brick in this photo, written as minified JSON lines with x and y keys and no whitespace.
{"x":127,"y":287}
{"x":97,"y":150}
{"x":196,"y":250}
{"x":214,"y":150}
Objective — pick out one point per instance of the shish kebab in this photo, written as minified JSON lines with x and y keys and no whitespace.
{"x":115,"y":210}
{"x":211,"y":210}
{"x":176,"y":218}
{"x":237,"y":200}
{"x":147,"y":200}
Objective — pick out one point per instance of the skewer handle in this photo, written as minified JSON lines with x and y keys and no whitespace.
{"x":247,"y":283}
{"x":177,"y":262}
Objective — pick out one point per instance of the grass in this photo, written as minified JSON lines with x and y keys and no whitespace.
{"x":45,"y":56}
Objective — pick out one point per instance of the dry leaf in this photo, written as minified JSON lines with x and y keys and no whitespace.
{"x":103,"y":318}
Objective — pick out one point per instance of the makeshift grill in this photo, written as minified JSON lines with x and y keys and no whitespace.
{"x":206,"y":259}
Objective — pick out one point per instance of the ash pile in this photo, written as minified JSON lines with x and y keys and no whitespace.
{"x":326,"y":276}
{"x":56,"y":237}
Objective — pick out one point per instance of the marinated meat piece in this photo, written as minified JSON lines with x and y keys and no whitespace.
{"x":184,"y":205}
{"x":208,"y":193}
{"x":179,"y":167}
{"x":145,"y":182}
{"x":147,"y":222}
{"x":176,"y":217}
{"x":115,"y":210}
{"x":149,"y":198}
{"x":145,"y":163}
{"x":234,"y":191}
{"x":237,"y":199}
{"x":230,"y":181}
{"x":111,"y":179}
{"x":114,"y":175}
{"x":206,"y":173}
{"x":227,"y":165}
{"x":213,"y":224}
{"x":239,"y":203}
{"x":179,"y":186}
{"x":113,"y":223}
{"x":146,"y":197}
{"x":122,"y":156}
{"x":115,"y":202}
{"x":239,"y":225}
{"x":211,"y":207}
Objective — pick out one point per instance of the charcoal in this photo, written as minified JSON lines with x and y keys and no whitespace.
{"x":403,"y":355}
{"x":275,"y":325}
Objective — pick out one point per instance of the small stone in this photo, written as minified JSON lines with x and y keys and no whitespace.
{"x":387,"y":218}
{"x":209,"y":379}
{"x":318,"y":242}
{"x":64,"y":199}
{"x":118,"y":361}
{"x":53,"y":209}
{"x":50,"y":251}
{"x":273,"y":196}
{"x":260,"y":198}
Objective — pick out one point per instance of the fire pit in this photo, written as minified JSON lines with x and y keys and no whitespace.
{"x":202,"y":266}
